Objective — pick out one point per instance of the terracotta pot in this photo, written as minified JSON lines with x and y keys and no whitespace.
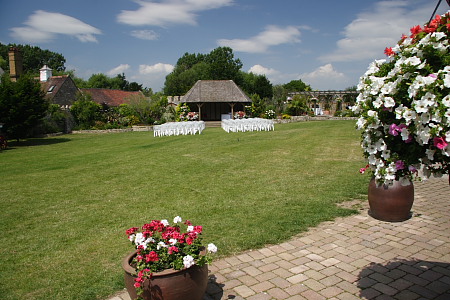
{"x":168,"y":284}
{"x":390,"y":203}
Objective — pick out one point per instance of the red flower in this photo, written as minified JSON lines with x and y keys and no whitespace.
{"x":131,"y":230}
{"x":416,"y":30}
{"x":198,"y":229}
{"x":389,"y":51}
{"x":137,"y":285}
{"x":172,"y":249}
{"x":152,"y":256}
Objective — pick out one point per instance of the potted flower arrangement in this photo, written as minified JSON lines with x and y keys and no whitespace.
{"x":240,"y":115}
{"x":404,"y":107}
{"x":170,"y":261}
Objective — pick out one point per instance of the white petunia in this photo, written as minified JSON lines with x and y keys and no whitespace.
{"x":430,"y":154}
{"x":190,"y":228}
{"x":212,"y":248}
{"x":172,"y":241}
{"x":177,"y":219}
{"x":165,"y":222}
{"x":389,"y":102}
{"x":188,"y":261}
{"x":446,"y":101}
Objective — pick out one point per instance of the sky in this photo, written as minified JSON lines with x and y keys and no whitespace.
{"x":327,"y":44}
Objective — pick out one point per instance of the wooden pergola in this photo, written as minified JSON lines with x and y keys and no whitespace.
{"x":214,"y":98}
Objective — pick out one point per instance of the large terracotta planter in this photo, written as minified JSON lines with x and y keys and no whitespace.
{"x":169,"y":284}
{"x":390,"y":203}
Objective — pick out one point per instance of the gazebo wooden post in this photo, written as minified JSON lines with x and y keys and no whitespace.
{"x":199,"y":105}
{"x":232,"y":104}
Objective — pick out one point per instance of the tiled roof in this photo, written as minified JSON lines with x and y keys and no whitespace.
{"x":215,"y":91}
{"x":111,"y":97}
{"x":52,"y":85}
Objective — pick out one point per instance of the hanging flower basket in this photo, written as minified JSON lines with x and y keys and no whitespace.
{"x":404,"y":107}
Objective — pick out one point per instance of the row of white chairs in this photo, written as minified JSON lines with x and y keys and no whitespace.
{"x":179,"y":128}
{"x":251,"y":124}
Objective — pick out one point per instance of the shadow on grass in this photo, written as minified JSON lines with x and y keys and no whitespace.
{"x":36,"y":142}
{"x":405,"y":279}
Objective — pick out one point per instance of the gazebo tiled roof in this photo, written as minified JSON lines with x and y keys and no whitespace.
{"x":215,"y":91}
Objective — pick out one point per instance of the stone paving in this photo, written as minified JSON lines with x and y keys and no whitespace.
{"x":355,"y":257}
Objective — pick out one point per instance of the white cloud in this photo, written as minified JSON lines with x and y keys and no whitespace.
{"x":118,"y":70}
{"x":145,"y":34}
{"x":158,"y":68}
{"x":44,"y":26}
{"x":168,"y":12}
{"x":271,"y":36}
{"x":378,"y":28}
{"x":260,"y":70}
{"x":325,"y":77}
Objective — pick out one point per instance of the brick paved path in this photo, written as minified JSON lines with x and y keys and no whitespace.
{"x":355,"y":257}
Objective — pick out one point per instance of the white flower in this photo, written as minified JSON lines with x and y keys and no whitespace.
{"x":389,"y":102}
{"x":361,"y":122}
{"x":447,"y":80}
{"x":413,"y":61}
{"x":165,"y":222}
{"x":177,"y":219}
{"x":423,"y":135}
{"x":131,"y":237}
{"x":161,"y":245}
{"x":430,"y":154}
{"x":446,"y":101}
{"x":190,"y":228}
{"x":378,"y":102}
{"x":405,"y":134}
{"x":409,"y":115}
{"x":172,"y":241}
{"x":212,"y":248}
{"x":188,"y":261}
{"x":139,"y":238}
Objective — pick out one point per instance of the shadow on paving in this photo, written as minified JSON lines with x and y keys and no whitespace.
{"x":405,"y":279}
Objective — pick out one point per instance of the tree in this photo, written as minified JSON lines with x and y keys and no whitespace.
{"x":85,"y":111}
{"x":34,"y":58}
{"x":219,"y":64}
{"x":296,"y":86}
{"x":222,"y":64}
{"x":22,"y":106}
{"x":256,"y":84}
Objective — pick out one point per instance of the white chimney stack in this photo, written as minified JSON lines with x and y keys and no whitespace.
{"x":46,"y":73}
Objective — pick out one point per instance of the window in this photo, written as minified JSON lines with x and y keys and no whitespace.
{"x":51,"y":89}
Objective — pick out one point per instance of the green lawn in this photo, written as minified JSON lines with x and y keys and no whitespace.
{"x":67,"y":201}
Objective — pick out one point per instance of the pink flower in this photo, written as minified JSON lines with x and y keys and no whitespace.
{"x":137,"y":285}
{"x":440,"y":143}
{"x":393,"y":129}
{"x":399,"y":165}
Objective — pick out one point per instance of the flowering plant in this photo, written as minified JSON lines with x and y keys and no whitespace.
{"x":161,"y":246}
{"x":404,"y":107}
{"x":240,"y":115}
{"x":270,"y":114}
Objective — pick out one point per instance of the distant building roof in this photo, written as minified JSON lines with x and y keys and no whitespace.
{"x":111,"y":97}
{"x":215,"y":91}
{"x":53,"y":85}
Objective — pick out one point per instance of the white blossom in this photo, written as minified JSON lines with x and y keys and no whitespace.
{"x":177,"y":219}
{"x":212,"y":248}
{"x":188,"y":261}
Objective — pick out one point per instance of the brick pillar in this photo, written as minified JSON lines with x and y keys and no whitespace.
{"x":15,"y":63}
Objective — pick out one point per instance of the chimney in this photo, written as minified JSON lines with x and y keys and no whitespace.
{"x":15,"y":63}
{"x":45,"y":73}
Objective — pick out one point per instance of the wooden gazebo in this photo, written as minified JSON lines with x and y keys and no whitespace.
{"x":216,"y":99}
